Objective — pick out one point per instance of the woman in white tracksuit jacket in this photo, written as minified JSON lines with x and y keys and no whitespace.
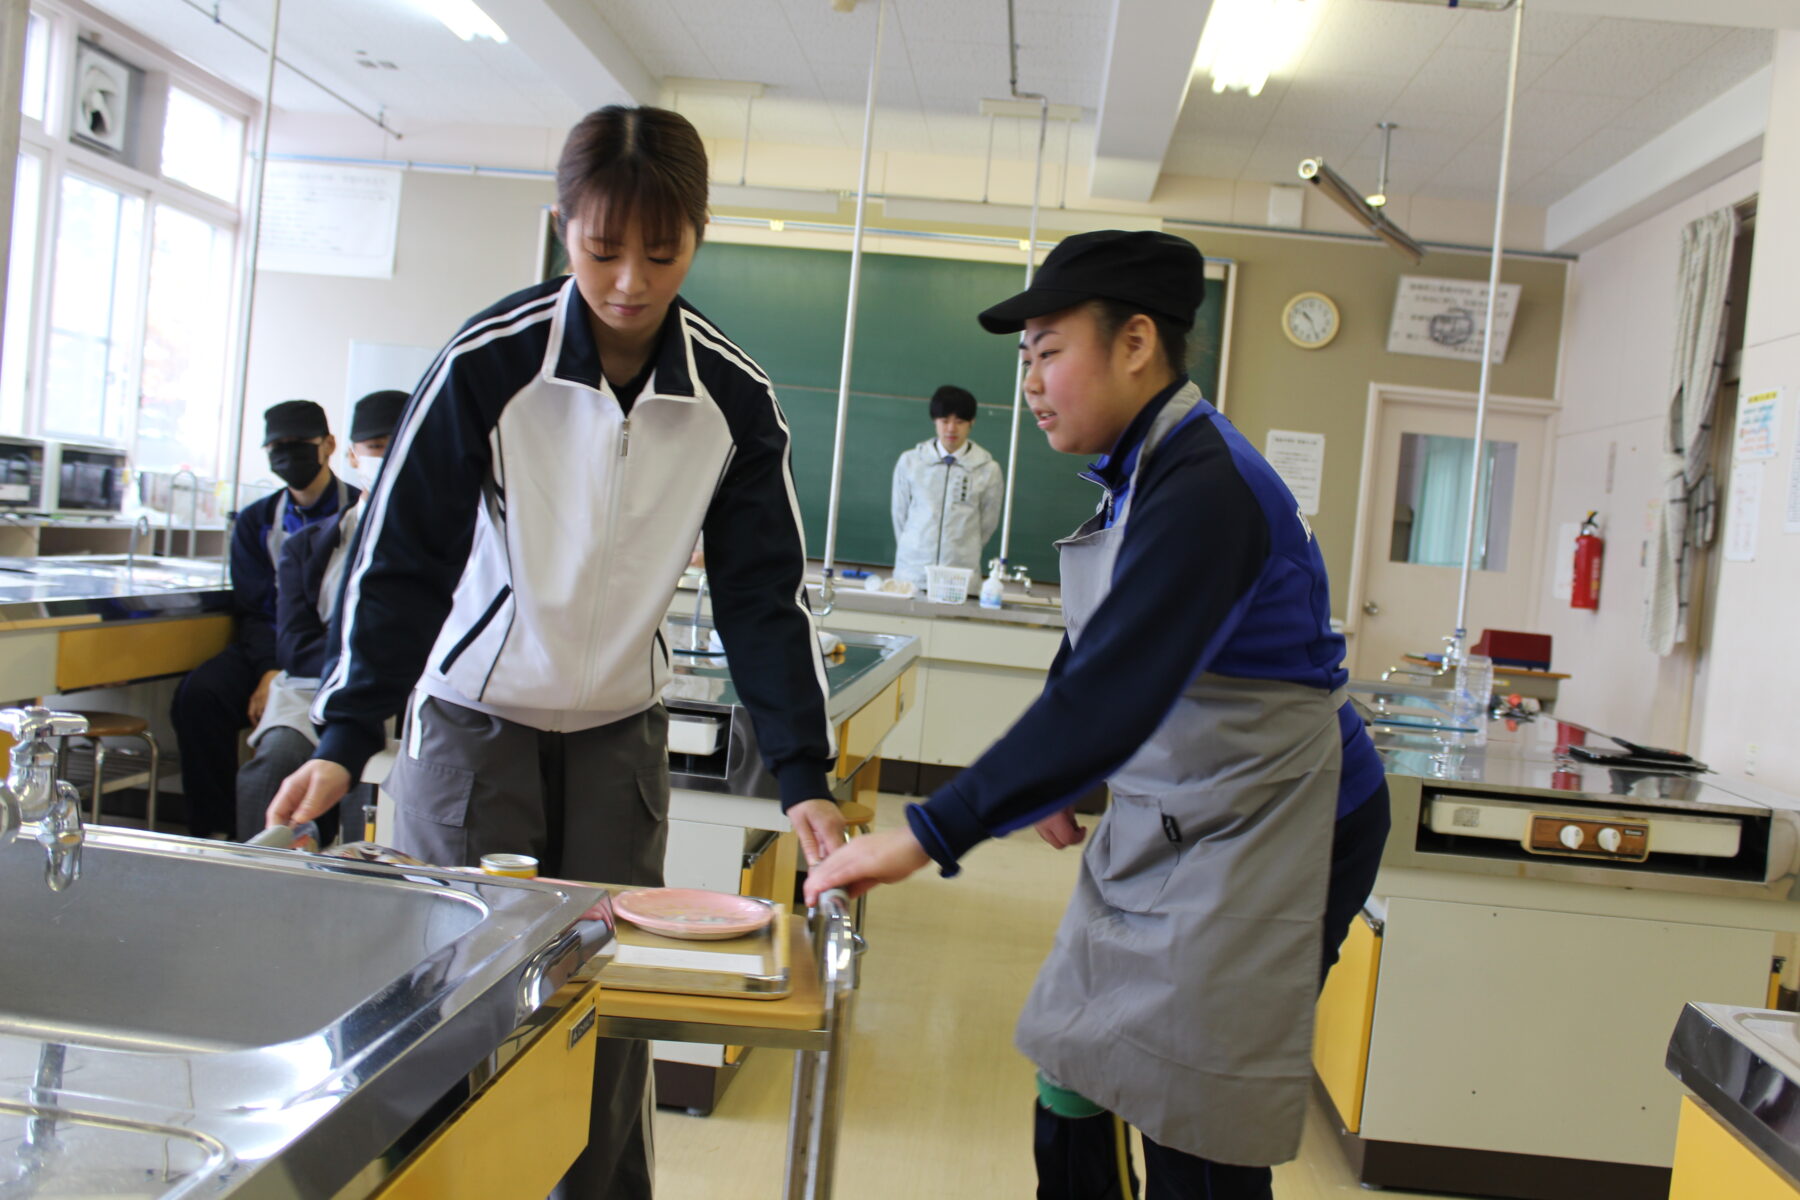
{"x":948,"y":493}
{"x":536,"y":508}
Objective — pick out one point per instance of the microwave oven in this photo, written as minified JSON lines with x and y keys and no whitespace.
{"x":84,"y":481}
{"x":22,"y":475}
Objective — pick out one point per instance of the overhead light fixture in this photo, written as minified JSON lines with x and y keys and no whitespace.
{"x":776,"y":224}
{"x":1333,"y":185}
{"x":1378,"y":198}
{"x":1246,"y":41}
{"x":1010,"y":216}
{"x":464,"y":18}
{"x":790,"y":200}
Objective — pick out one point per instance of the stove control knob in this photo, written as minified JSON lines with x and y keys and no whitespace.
{"x":1609,"y":839}
{"x":1571,"y":836}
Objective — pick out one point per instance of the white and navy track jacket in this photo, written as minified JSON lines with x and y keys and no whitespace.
{"x":525,"y":537}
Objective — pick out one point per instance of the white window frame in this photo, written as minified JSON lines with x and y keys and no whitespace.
{"x":65,"y":23}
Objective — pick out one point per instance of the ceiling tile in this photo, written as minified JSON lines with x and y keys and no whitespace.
{"x":1628,"y":58}
{"x":1337,"y":101}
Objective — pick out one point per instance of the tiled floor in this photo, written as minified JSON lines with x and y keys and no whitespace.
{"x":938,"y":1102}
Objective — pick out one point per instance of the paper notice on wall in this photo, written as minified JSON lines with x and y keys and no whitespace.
{"x":1743,"y":512}
{"x":1447,"y":318}
{"x":1791,"y":523}
{"x":1299,"y":458}
{"x":1758,"y":426}
{"x":320,"y":219}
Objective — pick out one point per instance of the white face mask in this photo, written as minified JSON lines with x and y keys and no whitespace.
{"x":362,"y":474}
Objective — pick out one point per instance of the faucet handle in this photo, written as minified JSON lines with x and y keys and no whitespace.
{"x":35,"y":724}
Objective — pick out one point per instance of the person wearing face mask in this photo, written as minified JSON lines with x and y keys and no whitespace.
{"x":311,"y":569}
{"x":947,"y":493}
{"x":229,"y":691}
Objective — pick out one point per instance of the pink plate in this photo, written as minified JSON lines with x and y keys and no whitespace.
{"x":693,"y":913}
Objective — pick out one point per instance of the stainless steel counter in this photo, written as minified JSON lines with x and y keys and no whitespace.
{"x":104,"y":586}
{"x":1744,"y":1064}
{"x":1457,"y":800}
{"x":702,"y":689}
{"x":160,"y":1035}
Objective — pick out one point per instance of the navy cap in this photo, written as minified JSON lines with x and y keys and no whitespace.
{"x":376,"y":415}
{"x":294,"y":419}
{"x":1157,"y":272}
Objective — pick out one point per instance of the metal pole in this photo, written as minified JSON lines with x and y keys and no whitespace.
{"x":241,"y":385}
{"x":1037,"y":186}
{"x":843,"y":409}
{"x":1012,"y":445}
{"x":1476,"y":490}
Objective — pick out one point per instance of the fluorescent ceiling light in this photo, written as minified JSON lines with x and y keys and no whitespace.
{"x":1246,"y":41}
{"x":1008,"y":216}
{"x":1334,"y":186}
{"x":463,"y":18}
{"x":737,"y":195}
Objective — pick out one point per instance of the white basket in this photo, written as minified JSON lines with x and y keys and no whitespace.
{"x":947,"y":585}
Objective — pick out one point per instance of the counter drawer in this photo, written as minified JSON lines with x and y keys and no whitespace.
{"x":133,"y":650}
{"x":1710,"y":1162}
{"x":519,"y":1133}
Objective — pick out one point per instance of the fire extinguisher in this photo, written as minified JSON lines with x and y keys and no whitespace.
{"x":1589,"y":549}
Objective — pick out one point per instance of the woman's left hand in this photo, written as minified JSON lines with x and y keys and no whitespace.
{"x":820,"y":826}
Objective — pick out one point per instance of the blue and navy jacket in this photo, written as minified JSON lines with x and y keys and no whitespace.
{"x":253,"y":572}
{"x":1199,"y":585}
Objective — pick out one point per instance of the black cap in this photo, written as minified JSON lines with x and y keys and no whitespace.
{"x":294,"y":419}
{"x":1157,"y":272}
{"x":376,"y":415}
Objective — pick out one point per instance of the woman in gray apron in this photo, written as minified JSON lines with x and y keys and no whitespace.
{"x":1201,"y":680}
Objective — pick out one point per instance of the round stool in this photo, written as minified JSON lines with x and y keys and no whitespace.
{"x":120,"y":725}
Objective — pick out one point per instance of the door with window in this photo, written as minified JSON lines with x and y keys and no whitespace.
{"x":1415,"y":519}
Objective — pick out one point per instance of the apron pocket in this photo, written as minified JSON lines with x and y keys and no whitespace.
{"x":1134,"y":852}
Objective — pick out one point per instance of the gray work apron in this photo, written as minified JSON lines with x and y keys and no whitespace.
{"x":1179,"y":993}
{"x":290,"y":700}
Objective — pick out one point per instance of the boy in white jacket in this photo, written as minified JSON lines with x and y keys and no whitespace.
{"x":948,"y":493}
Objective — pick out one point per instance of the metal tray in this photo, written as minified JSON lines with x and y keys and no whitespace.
{"x":752,"y":967}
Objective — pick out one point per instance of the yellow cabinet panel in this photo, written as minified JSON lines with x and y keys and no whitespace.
{"x":517,"y":1135}
{"x":134,"y":650}
{"x":1712,"y":1164}
{"x":1341,"y":1025}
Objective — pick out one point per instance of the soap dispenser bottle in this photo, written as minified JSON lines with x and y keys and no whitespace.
{"x":993,"y":589}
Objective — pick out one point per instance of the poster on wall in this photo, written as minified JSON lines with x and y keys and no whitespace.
{"x":1743,"y":512}
{"x":1446,"y":318}
{"x":1299,"y":458}
{"x":1758,"y":426}
{"x":323,"y":219}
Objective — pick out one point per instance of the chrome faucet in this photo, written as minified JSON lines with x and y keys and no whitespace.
{"x":1011,"y":574}
{"x":141,"y":529}
{"x":193,"y":529}
{"x":32,"y":795}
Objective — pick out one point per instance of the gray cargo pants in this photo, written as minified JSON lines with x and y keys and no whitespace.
{"x":592,"y":805}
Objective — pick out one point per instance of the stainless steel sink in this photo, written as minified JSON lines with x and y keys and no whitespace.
{"x":250,"y":1022}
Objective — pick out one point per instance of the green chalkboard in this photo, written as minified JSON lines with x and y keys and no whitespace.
{"x":915,"y":330}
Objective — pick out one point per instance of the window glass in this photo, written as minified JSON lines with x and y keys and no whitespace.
{"x":35,"y":89}
{"x":21,"y":282}
{"x":181,"y":405}
{"x":89,"y":381}
{"x":203,"y":146}
{"x":1431,"y":506}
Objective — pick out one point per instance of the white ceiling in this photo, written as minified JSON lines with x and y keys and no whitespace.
{"x":1593,"y":89}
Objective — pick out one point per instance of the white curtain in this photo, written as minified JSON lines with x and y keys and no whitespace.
{"x":1687,"y":440}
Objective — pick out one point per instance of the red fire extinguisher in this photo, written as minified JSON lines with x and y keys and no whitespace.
{"x":1589,"y":549}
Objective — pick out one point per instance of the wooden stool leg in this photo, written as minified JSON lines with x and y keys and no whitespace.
{"x":150,"y":788}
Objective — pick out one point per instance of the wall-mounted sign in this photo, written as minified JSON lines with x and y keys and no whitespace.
{"x":1445,"y":318}
{"x":1299,"y":458}
{"x":323,"y":219}
{"x":1758,"y":426}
